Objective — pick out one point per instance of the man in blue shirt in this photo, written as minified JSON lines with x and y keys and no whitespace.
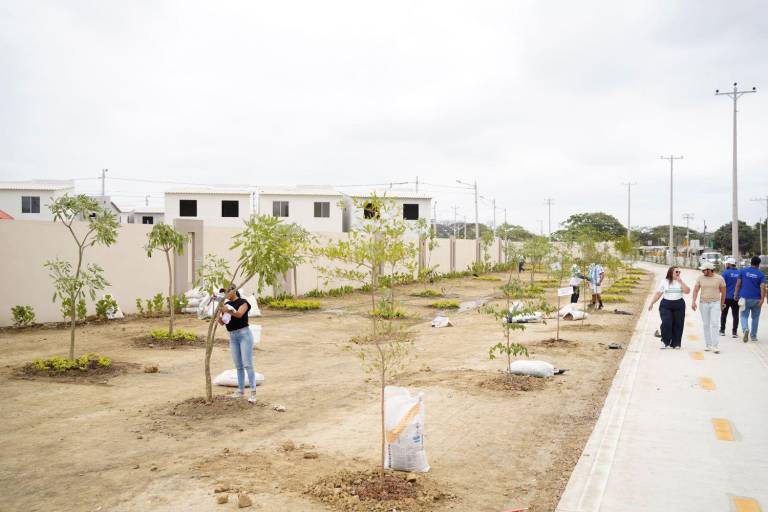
{"x":730,"y":276}
{"x":751,"y":288}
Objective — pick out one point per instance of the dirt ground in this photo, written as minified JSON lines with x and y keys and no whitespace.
{"x":137,"y":442}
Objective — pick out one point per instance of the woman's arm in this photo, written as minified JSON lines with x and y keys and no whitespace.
{"x":656,"y":296}
{"x":241,"y":311}
{"x":685,"y":287}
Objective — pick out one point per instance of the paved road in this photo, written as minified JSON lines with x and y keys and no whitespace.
{"x":681,"y":430}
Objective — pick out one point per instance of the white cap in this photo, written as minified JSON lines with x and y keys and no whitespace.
{"x":707,"y":266}
{"x":730,"y":261}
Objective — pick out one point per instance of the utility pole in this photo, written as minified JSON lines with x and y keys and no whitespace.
{"x":735,"y":95}
{"x":465,"y":227}
{"x":629,"y":208}
{"x":687,"y":217}
{"x":103,"y":183}
{"x":671,"y":255}
{"x":417,"y":184}
{"x":494,"y":217}
{"x":455,"y":220}
{"x":549,"y":202}
{"x":765,"y":199}
{"x":505,"y":215}
{"x":477,"y":219}
{"x":146,"y":200}
{"x":434,"y":216}
{"x":760,"y":230}
{"x":541,"y":226}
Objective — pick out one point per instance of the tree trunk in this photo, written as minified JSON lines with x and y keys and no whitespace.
{"x":295,"y":284}
{"x":73,"y":311}
{"x":383,"y":429}
{"x":171,"y":302}
{"x":208,"y":352}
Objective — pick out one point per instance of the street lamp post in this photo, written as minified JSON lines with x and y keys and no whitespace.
{"x":735,"y":95}
{"x":671,"y":255}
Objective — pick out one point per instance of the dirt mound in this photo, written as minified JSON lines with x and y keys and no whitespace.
{"x":150,"y":342}
{"x":95,"y":375}
{"x":506,"y":382}
{"x":222,"y":405}
{"x":357,"y":491}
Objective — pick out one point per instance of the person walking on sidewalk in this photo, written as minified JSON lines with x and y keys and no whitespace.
{"x":730,"y":275}
{"x":671,"y":308}
{"x":712,"y":288}
{"x":751,"y":288}
{"x":595,"y":276}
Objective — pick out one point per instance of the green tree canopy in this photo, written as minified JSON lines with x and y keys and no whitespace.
{"x":513,"y":232}
{"x":599,"y":225}
{"x":749,"y":239}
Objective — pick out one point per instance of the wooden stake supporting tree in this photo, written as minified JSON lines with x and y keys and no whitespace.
{"x":166,"y":239}
{"x":267,"y":249}
{"x":101,"y":229}
{"x":374,"y":243}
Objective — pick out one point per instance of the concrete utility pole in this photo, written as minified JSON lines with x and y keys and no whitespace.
{"x":541,"y":226}
{"x":465,"y":227}
{"x":629,"y":208}
{"x":417,"y":184}
{"x":760,"y":230}
{"x":671,"y":255}
{"x":505,"y":215}
{"x":477,"y":219}
{"x":735,"y":95}
{"x":455,"y":219}
{"x":549,"y":202}
{"x":494,"y":217}
{"x":688,"y":217}
{"x":764,"y":199}
{"x":103,"y":183}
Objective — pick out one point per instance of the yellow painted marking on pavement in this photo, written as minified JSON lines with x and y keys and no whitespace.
{"x":707,"y":383}
{"x":746,"y":505}
{"x":723,"y":430}
{"x":693,"y":337}
{"x":697,"y":356}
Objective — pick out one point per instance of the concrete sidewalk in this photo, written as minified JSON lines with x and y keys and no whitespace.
{"x":681,"y":430}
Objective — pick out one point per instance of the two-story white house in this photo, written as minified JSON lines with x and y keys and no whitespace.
{"x":411,"y":206}
{"x":316,"y":209}
{"x":29,"y":200}
{"x":214,"y":206}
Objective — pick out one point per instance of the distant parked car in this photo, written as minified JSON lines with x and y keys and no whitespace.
{"x":711,"y":257}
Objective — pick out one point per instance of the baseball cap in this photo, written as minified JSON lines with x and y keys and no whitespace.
{"x":707,"y":266}
{"x":730,"y":261}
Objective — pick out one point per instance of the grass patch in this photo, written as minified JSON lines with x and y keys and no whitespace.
{"x":60,"y":365}
{"x":295,"y":304}
{"x":613,"y":298}
{"x":427,"y":293}
{"x":547,"y":283}
{"x":445,"y":304}
{"x":333,"y":292}
{"x":619,"y":290}
{"x":515,"y":291}
{"x":178,"y":335}
{"x":487,"y":278}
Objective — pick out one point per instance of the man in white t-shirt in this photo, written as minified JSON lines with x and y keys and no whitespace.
{"x":595,"y":276}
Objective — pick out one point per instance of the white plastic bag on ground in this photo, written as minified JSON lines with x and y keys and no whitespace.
{"x":532,"y":368}
{"x":229,"y":378}
{"x":192,"y":310}
{"x":441,"y":321}
{"x":404,"y":430}
{"x":254,"y":311}
{"x":572,"y":312}
{"x":528,"y":318}
{"x":256,"y":331}
{"x":115,"y":314}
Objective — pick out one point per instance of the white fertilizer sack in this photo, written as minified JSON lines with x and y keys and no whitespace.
{"x":229,"y":378}
{"x":256,"y":331}
{"x":532,"y":368}
{"x":404,"y":430}
{"x":254,"y":311}
{"x":441,"y":321}
{"x":572,"y":312}
{"x":528,"y":318}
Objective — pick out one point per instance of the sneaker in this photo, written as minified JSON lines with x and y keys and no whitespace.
{"x":734,"y":335}
{"x":252,"y":398}
{"x":236,"y":395}
{"x":677,"y":348}
{"x":716,"y":351}
{"x":722,"y":333}
{"x":753,"y":339}
{"x":600,"y":306}
{"x":745,"y":338}
{"x":657,"y":334}
{"x":663,"y":347}
{"x":706,"y":349}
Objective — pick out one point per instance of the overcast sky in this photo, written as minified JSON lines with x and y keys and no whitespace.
{"x":533,"y":99}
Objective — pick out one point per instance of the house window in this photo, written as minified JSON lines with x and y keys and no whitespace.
{"x":370,"y":211}
{"x":280,"y":208}
{"x":30,"y":204}
{"x":411,"y":211}
{"x":230,"y":208}
{"x":131,"y":220}
{"x":187,"y":208}
{"x":147,"y":219}
{"x":322,"y":209}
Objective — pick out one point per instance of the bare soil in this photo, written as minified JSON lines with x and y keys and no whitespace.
{"x":146,"y":441}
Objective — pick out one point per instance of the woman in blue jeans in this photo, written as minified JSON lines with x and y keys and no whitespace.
{"x":240,"y":339}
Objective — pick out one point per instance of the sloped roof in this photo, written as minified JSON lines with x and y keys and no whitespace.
{"x":5,"y":216}
{"x":36,"y":185}
{"x":214,"y":191}
{"x":300,"y":191}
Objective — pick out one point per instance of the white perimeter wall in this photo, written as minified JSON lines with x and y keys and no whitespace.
{"x":26,"y":245}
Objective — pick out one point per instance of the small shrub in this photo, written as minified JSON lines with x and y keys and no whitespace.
{"x":139,"y":307}
{"x":427,"y":293}
{"x":81,"y":309}
{"x":56,"y":364}
{"x":487,"y":278}
{"x":23,"y":315}
{"x":333,"y":292}
{"x":179,"y":303}
{"x":297,"y":304}
{"x":515,"y":291}
{"x":268,"y":300}
{"x":105,"y":305}
{"x":456,"y":275}
{"x":445,"y":304}
{"x":618,"y":290}
{"x":613,"y":298}
{"x":396,"y":279}
{"x":387,"y":310}
{"x":178,"y":335}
